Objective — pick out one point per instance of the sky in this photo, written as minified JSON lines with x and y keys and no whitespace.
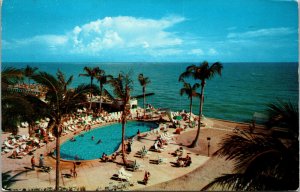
{"x":149,"y":30}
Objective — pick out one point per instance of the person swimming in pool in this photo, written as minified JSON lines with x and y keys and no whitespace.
{"x":72,"y":139}
{"x":99,"y":141}
{"x":92,"y":138}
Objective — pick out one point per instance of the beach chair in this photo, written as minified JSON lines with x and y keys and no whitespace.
{"x":134,"y":166}
{"x":122,"y":175}
{"x":8,"y":145}
{"x":51,"y":137}
{"x":6,"y":150}
{"x":20,"y":154}
{"x":161,"y":160}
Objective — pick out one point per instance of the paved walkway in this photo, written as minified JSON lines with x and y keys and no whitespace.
{"x":97,"y":175}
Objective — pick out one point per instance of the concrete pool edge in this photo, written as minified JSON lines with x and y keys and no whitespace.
{"x":67,"y":137}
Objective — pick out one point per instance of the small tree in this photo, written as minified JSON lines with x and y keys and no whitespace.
{"x":202,"y":73}
{"x":102,"y":79}
{"x":144,"y":81}
{"x":190,"y":91}
{"x":92,"y":73}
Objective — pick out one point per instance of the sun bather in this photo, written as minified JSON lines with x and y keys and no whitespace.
{"x":104,"y":157}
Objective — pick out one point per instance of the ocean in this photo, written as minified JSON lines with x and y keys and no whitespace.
{"x":243,"y":88}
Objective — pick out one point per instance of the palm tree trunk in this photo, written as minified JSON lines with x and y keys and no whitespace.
{"x":91,"y":94}
{"x":29,"y":83}
{"x":123,"y":138}
{"x":144,"y":101}
{"x":195,"y":142}
{"x":57,"y":158}
{"x":191,"y":103}
{"x":101,"y":88}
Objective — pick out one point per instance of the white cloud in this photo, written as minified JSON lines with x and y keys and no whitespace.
{"x":198,"y":52}
{"x":120,"y":33}
{"x":212,"y":51}
{"x":50,"y":41}
{"x":263,"y":33}
{"x":124,"y":32}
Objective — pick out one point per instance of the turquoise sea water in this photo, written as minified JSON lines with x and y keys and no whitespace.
{"x":243,"y":88}
{"x":86,"y":149}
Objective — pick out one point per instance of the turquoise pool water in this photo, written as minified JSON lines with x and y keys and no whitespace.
{"x":87,"y":149}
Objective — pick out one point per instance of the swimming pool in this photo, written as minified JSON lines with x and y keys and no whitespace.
{"x":87,"y":149}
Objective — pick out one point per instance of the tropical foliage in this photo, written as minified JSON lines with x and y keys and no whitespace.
{"x":92,"y":73}
{"x":102,"y":79}
{"x":144,"y":81}
{"x":122,"y":87}
{"x":60,"y":101}
{"x":190,"y":91}
{"x":262,"y":161}
{"x":202,"y":73}
{"x":14,"y":106}
{"x":29,"y":72}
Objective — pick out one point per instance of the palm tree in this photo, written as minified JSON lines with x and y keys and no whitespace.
{"x":144,"y":81}
{"x":28,"y":72}
{"x":202,"y":73}
{"x":122,"y":86}
{"x":92,"y":73}
{"x":285,"y":115}
{"x":190,"y":91}
{"x":14,"y":107}
{"x":10,"y":76}
{"x":60,"y":101}
{"x":262,"y":162}
{"x":102,"y":79}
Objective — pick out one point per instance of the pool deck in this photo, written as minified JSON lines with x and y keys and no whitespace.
{"x":98,"y":175}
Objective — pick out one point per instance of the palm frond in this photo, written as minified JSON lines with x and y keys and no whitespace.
{"x":227,"y":182}
{"x":46,"y":80}
{"x":144,"y":81}
{"x":10,"y":76}
{"x":29,"y":71}
{"x":215,"y":68}
{"x":186,"y":74}
{"x":284,"y":114}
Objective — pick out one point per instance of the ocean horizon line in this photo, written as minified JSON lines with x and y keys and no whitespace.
{"x":146,"y":62}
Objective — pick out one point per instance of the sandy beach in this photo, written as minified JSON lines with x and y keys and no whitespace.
{"x":98,"y":175}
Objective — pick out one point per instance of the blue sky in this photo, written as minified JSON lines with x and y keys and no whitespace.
{"x":149,"y":30}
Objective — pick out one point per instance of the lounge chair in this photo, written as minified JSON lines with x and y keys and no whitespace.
{"x":8,"y":145}
{"x":134,"y":166}
{"x":20,"y":154}
{"x":123,"y":175}
{"x":6,"y":150}
{"x":161,"y":160}
{"x":143,"y":152}
{"x":51,"y":137}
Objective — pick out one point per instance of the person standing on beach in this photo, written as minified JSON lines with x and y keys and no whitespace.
{"x":74,"y":170}
{"x":32,"y":162}
{"x":41,"y":163}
